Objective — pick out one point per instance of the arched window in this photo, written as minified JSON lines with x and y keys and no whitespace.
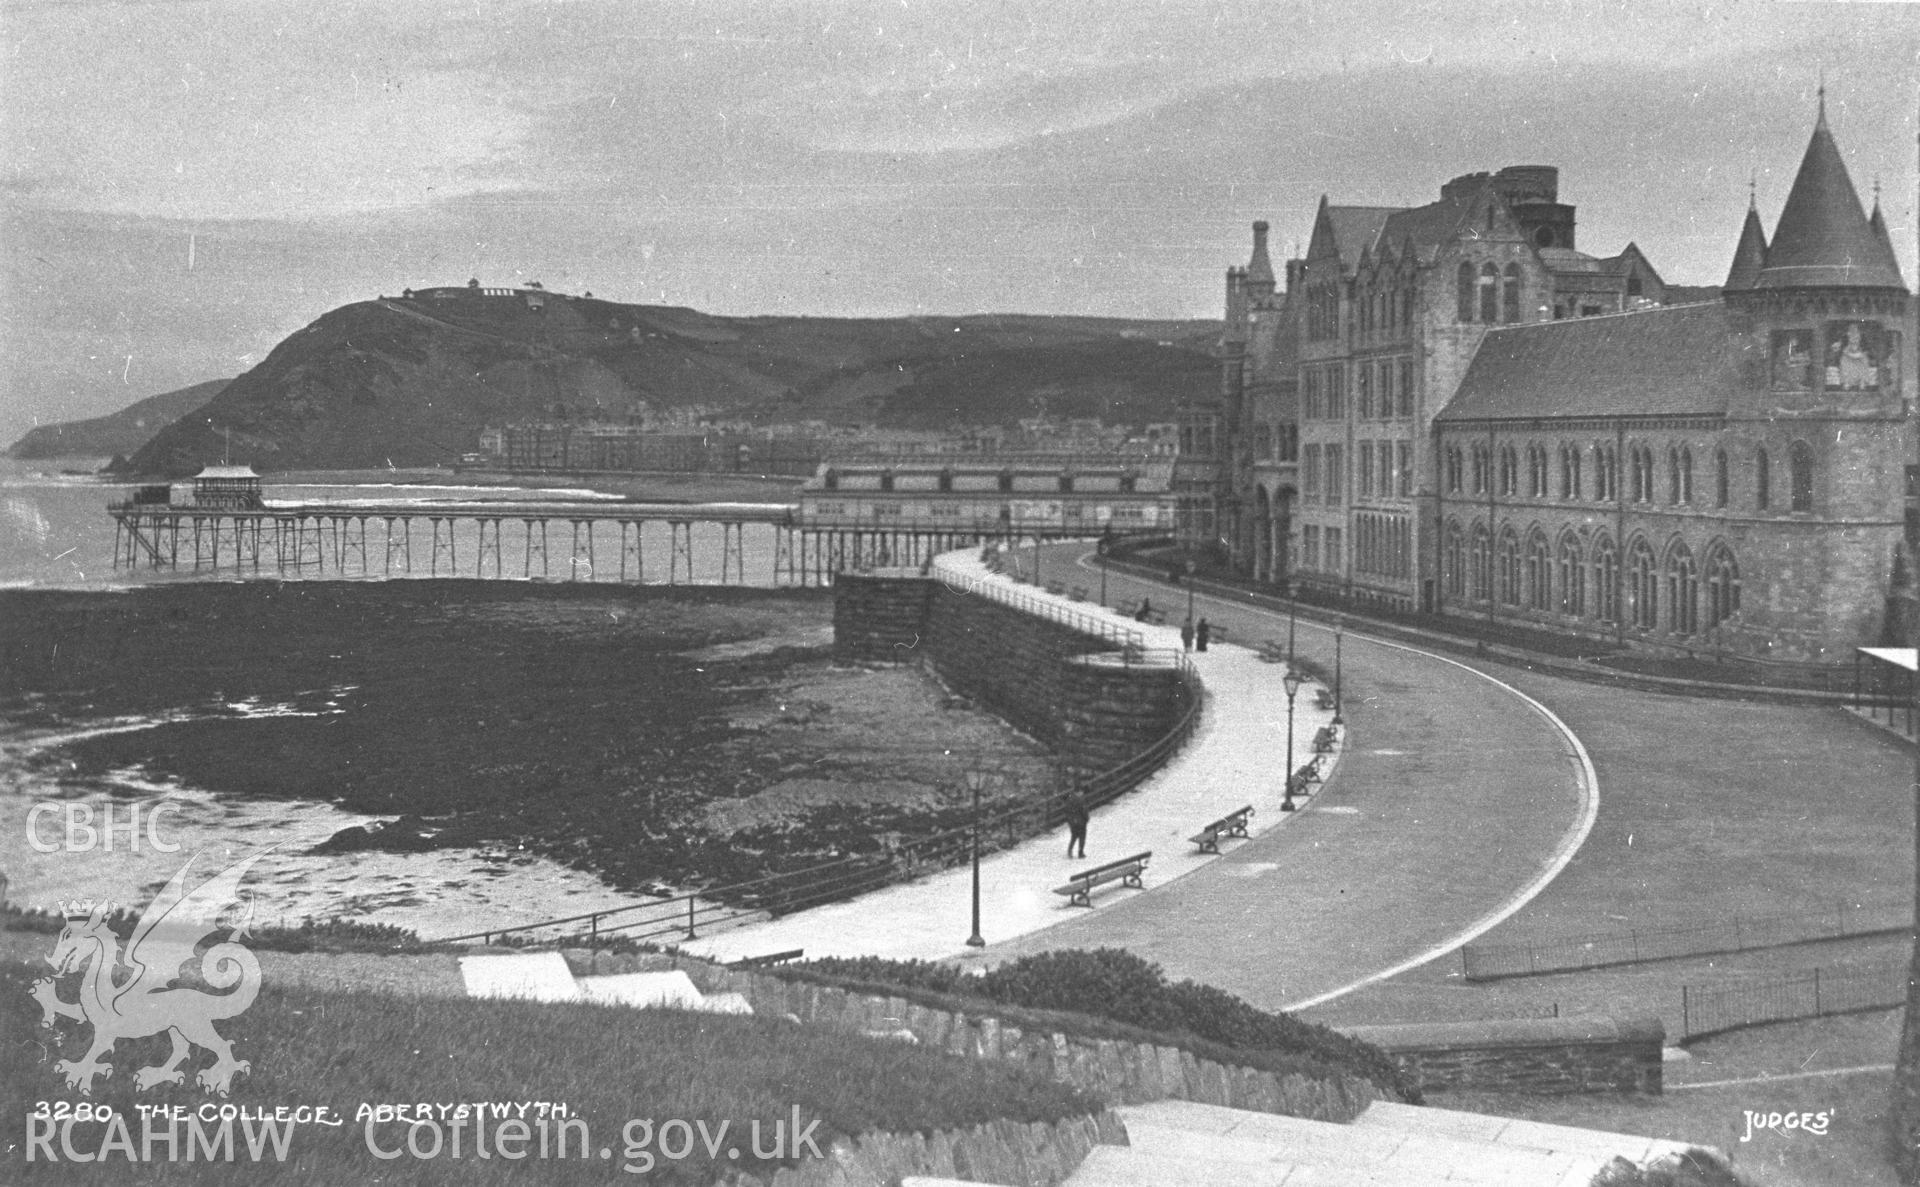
{"x":1466,"y":292}
{"x":1723,"y":584}
{"x":1480,"y":563}
{"x":886,"y":480}
{"x":1539,"y":572}
{"x":1683,"y":591}
{"x":1643,"y":586}
{"x":1510,"y":295}
{"x":1489,"y":294}
{"x":1573,"y":459}
{"x":831,"y":479}
{"x":1006,"y":480}
{"x":1800,"y":475}
{"x":1481,"y":464}
{"x":1573,"y":573}
{"x":1719,"y":478}
{"x":1606,"y":579}
{"x":1455,"y":560}
{"x":1509,"y":560}
{"x":1454,"y":469}
{"x":1762,"y":480}
{"x":1686,"y":474}
{"x":1509,"y":470}
{"x":946,"y":480}
{"x":1673,"y":475}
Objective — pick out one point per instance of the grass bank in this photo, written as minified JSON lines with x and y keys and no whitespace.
{"x":607,"y":1065}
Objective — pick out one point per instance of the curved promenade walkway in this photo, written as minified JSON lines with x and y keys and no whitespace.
{"x":1457,"y":801}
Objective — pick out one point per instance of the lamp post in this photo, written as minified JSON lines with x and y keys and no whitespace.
{"x":1338,"y":625}
{"x":975,"y":779}
{"x":1106,"y":541}
{"x":1189,"y":591}
{"x":1292,"y":684}
{"x":1292,"y":617}
{"x":1036,"y":558}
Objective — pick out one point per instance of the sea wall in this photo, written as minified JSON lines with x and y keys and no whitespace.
{"x":1069,"y":688}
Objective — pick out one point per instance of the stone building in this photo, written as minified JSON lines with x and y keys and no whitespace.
{"x":1452,"y":409}
{"x":1006,"y":493}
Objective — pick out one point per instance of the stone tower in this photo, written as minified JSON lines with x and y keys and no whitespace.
{"x":1819,"y":314}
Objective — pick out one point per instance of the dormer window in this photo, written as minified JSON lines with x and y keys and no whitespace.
{"x":946,"y":480}
{"x":831,"y":479}
{"x":886,"y":480}
{"x":1006,"y":480}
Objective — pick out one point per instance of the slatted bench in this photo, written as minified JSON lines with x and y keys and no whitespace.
{"x":1309,"y":772}
{"x":1056,"y":587}
{"x":1153,"y":616}
{"x":1323,"y":740}
{"x":1233,"y":824}
{"x":1272,"y":652}
{"x":1079,"y":889}
{"x":1323,"y":697}
{"x":1078,"y":593}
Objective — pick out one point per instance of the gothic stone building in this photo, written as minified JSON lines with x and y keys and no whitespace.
{"x":1451,"y":408}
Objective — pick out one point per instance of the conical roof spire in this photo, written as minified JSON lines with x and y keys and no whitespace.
{"x":1823,"y":240}
{"x":1878,"y":221}
{"x":1751,"y":255}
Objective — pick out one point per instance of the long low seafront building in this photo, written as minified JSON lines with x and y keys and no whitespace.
{"x":1055,"y":494}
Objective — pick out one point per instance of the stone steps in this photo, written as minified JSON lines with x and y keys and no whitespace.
{"x":1180,"y":1142}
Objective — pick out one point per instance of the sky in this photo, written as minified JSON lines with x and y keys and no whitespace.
{"x":185,"y":183}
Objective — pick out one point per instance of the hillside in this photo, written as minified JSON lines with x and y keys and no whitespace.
{"x":411,"y":381}
{"x":119,"y":433}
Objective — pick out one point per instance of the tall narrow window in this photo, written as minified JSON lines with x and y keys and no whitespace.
{"x":1510,"y":295}
{"x":1686,"y":474}
{"x":1465,"y":294}
{"x":1573,"y":574}
{"x":1480,"y":563}
{"x":1406,"y":388}
{"x":1606,"y":579}
{"x":1643,"y":586}
{"x":1455,"y":557}
{"x":1509,"y":568}
{"x":1723,"y":584}
{"x":1539,"y":572}
{"x":1762,"y":480}
{"x":1489,"y":294}
{"x":1719,"y":478}
{"x":1683,"y":591}
{"x":1800,"y":467}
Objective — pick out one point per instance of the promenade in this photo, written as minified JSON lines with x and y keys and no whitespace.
{"x":1456,"y":800}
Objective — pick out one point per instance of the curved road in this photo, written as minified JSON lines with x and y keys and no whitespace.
{"x":1456,"y":799}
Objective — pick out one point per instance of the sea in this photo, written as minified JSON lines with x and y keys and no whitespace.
{"x":55,"y":534}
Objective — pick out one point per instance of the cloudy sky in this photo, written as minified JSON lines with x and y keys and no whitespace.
{"x":187,"y":182}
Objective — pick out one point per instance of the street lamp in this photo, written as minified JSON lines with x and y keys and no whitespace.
{"x":1106,"y":541}
{"x":1338,"y":624}
{"x":1292,"y":683}
{"x":975,"y":780}
{"x":1293,"y":608}
{"x":1189,"y":591}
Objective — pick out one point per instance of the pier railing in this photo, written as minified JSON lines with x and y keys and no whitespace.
{"x":684,"y":917}
{"x":1124,"y":639}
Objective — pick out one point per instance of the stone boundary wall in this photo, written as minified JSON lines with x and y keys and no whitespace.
{"x":1032,"y":1155}
{"x":1551,"y":1056}
{"x":1118,"y":1071}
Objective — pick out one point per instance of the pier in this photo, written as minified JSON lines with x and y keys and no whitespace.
{"x":628,"y":542}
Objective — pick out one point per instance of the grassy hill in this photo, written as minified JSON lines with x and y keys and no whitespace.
{"x":411,"y":381}
{"x":119,"y":433}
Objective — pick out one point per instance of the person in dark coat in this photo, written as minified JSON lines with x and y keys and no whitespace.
{"x":1077,"y":817}
{"x":1201,"y":633}
{"x":1145,"y":612}
{"x":1186,"y":635}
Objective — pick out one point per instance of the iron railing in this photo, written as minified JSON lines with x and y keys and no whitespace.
{"x":1123,"y":638}
{"x":1486,"y":962}
{"x":1810,"y":993}
{"x":683,"y":917}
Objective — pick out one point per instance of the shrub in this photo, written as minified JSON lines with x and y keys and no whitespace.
{"x":1116,"y":985}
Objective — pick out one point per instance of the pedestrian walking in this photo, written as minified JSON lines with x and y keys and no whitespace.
{"x":1145,"y":612}
{"x":1077,"y":817}
{"x":1201,"y":633}
{"x":1186,"y":635}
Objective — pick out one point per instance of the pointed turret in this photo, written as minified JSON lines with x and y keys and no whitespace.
{"x":1750,"y":256}
{"x":1823,"y":240}
{"x":1260,"y":268}
{"x":1878,"y":222}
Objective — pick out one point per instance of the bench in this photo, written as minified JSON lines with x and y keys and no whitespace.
{"x":1323,"y":697}
{"x":1233,"y":824}
{"x":1323,"y":740}
{"x":1078,"y":593}
{"x":1080,"y":887}
{"x":1309,"y":772}
{"x":761,"y":962}
{"x":1153,"y":616}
